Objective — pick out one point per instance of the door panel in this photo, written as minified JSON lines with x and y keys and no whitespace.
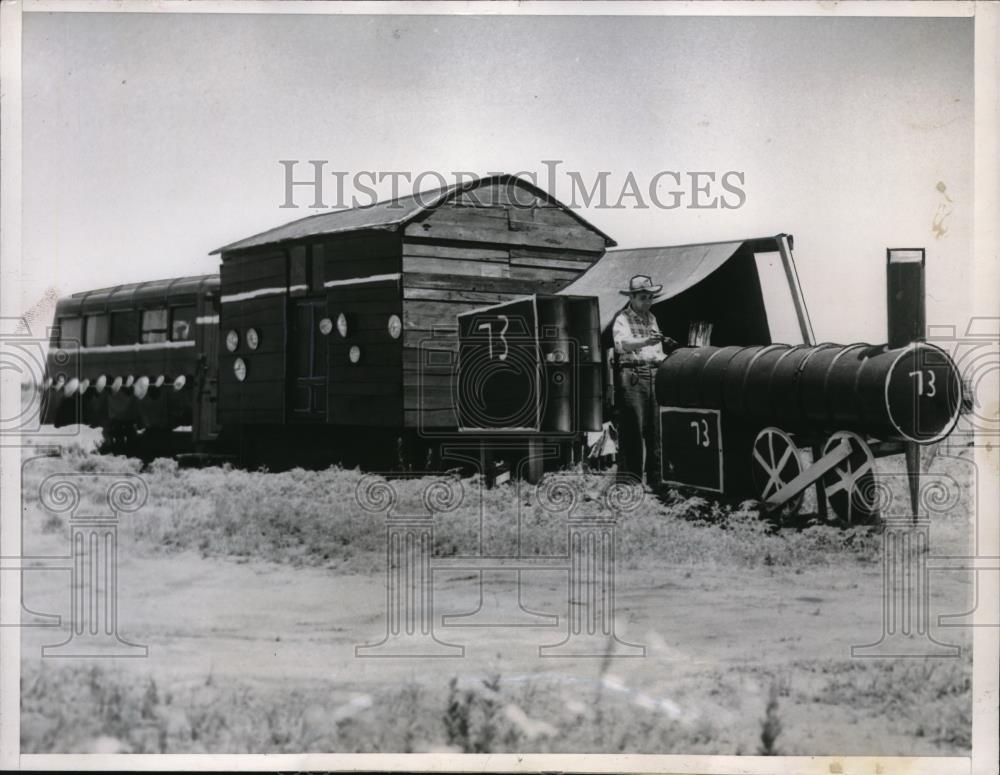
{"x":206,"y":379}
{"x":307,"y":361}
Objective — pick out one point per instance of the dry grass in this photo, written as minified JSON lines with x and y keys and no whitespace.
{"x":929,"y":698}
{"x":314,"y":518}
{"x":86,"y":708}
{"x":78,"y":708}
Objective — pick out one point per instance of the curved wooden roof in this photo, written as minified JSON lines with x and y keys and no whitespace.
{"x":145,"y":295}
{"x":390,"y":215}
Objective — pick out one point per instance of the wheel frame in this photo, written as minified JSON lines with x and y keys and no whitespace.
{"x":772,"y":467}
{"x":856,"y":473}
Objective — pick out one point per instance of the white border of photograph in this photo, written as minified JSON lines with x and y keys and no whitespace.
{"x":985,"y":751}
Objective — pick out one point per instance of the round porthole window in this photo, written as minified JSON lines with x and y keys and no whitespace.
{"x":325,"y":326}
{"x":354,"y":354}
{"x":240,"y":369}
{"x":253,"y":338}
{"x":395,"y":326}
{"x":232,"y":340}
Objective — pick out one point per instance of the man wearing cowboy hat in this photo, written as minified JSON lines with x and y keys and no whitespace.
{"x":638,"y":351}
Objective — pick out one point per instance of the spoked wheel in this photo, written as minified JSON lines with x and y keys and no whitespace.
{"x":775,"y":463}
{"x":850,"y":486}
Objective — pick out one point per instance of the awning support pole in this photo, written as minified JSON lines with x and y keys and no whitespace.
{"x":805,"y":324}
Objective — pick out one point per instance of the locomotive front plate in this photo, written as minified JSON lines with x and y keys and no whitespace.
{"x":691,"y":447}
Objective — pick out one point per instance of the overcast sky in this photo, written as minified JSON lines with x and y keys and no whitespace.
{"x":151,"y":139}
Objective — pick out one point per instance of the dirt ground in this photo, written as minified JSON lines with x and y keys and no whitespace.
{"x":714,"y":638}
{"x":726,"y":649}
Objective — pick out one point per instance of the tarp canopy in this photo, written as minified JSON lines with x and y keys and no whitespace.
{"x":675,"y":268}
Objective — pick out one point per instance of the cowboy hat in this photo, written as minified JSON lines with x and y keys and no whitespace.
{"x":641,"y":283}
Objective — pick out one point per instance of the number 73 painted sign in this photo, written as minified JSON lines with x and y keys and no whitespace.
{"x":504,"y":322}
{"x":499,"y":384}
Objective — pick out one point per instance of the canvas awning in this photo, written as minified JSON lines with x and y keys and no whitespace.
{"x":675,"y":268}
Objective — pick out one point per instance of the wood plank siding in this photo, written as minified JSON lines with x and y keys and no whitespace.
{"x":463,"y":250}
{"x":478,"y":250}
{"x":337,"y":277}
{"x":253,"y":291}
{"x":368,"y":392}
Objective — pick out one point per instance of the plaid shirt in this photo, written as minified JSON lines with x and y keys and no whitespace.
{"x":629,"y":324}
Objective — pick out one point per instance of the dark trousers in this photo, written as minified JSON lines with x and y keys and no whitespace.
{"x":639,"y":424}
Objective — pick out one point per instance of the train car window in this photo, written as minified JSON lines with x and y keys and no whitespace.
{"x":298,"y":273}
{"x":70,"y":331}
{"x":97,"y":330}
{"x":316,"y":270}
{"x":124,"y":327}
{"x":182,"y":323}
{"x":154,"y":325}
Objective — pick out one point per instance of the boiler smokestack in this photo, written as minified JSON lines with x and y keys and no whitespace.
{"x":907,"y":314}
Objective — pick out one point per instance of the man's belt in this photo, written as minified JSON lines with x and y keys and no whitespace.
{"x":639,"y":365}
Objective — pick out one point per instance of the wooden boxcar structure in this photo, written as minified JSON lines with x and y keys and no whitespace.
{"x":481,"y":315}
{"x":141,"y":355}
{"x":351,"y":315}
